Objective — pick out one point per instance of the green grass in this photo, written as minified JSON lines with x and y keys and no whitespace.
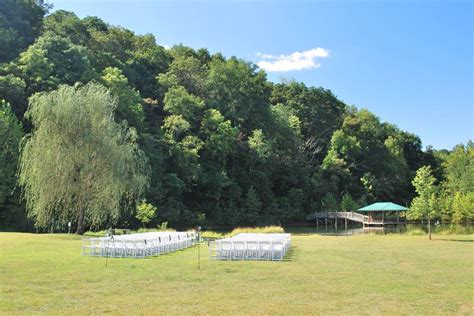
{"x":365,"y":274}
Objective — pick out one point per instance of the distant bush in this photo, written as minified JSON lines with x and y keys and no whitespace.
{"x":211,"y":234}
{"x":265,"y":230}
{"x":240,"y":230}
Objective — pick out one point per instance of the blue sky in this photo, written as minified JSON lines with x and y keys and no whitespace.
{"x":409,"y":62}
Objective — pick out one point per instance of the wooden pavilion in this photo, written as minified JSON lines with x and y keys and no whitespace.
{"x":382,"y":213}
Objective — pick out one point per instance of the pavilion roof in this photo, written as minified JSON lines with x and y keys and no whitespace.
{"x":383,"y":207}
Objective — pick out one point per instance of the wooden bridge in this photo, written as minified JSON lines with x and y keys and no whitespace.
{"x":366,"y":220}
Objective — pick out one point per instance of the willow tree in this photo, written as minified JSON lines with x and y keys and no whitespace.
{"x":78,"y":165}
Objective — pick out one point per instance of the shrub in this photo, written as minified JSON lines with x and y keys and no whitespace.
{"x":265,"y":229}
{"x":211,"y":234}
{"x":145,"y":212}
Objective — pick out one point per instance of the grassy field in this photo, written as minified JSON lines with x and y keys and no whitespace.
{"x":363,"y":274}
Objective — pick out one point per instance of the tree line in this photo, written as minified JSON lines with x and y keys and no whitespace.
{"x":95,"y":118}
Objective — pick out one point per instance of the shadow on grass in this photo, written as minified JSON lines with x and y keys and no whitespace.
{"x":458,"y":240}
{"x":290,"y":254}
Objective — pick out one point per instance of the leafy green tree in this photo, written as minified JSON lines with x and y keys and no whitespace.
{"x":147,"y":62}
{"x":463,"y":207}
{"x":78,"y":164}
{"x":288,"y":125}
{"x":368,"y":180}
{"x":145,"y":212}
{"x":175,"y":128}
{"x":424,"y":206}
{"x":219,"y":135}
{"x":12,"y":90}
{"x":66,"y":24}
{"x":252,"y":207}
{"x":364,"y":146}
{"x":348,"y":204}
{"x":138,"y":56}
{"x":20,"y":24}
{"x":259,"y":145}
{"x":183,"y":149}
{"x":188,"y":72}
{"x":10,"y":136}
{"x":178,"y":101}
{"x":240,"y":93}
{"x":319,"y":111}
{"x":129,"y":106}
{"x":53,"y":60}
{"x":460,"y":169}
{"x":456,"y":199}
{"x":292,"y":205}
{"x":330,"y":203}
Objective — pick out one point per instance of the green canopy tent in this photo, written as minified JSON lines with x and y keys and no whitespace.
{"x":378,"y":211}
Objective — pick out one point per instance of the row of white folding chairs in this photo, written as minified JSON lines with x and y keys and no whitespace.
{"x":228,"y":249}
{"x":161,"y":236}
{"x":285,"y":242}
{"x":134,"y":247}
{"x":260,"y":237}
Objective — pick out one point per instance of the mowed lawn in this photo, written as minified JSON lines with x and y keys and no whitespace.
{"x":365,"y":274}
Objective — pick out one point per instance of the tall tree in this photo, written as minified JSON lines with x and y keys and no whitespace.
{"x":187,"y":72}
{"x":460,"y":169}
{"x":20,"y":24}
{"x":459,"y":184}
{"x":424,"y":206}
{"x":129,"y":106}
{"x":79,"y":165}
{"x":10,"y":135}
{"x":252,"y":207}
{"x":12,"y":90}
{"x":319,"y":111}
{"x":66,"y":24}
{"x":53,"y":60}
{"x":240,"y":93}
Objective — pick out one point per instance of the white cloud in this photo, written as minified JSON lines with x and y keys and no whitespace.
{"x":295,"y":61}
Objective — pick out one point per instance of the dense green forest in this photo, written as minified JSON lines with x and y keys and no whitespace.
{"x":211,"y":140}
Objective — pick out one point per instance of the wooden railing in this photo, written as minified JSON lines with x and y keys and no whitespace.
{"x":353,"y":216}
{"x":356,"y":217}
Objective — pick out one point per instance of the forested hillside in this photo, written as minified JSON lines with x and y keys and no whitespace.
{"x":224,"y":146}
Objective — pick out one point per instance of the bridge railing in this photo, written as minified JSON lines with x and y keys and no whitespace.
{"x":357,"y":217}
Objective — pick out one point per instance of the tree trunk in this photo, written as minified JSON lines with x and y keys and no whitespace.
{"x":79,"y":201}
{"x":429,"y":227}
{"x":80,"y":222}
